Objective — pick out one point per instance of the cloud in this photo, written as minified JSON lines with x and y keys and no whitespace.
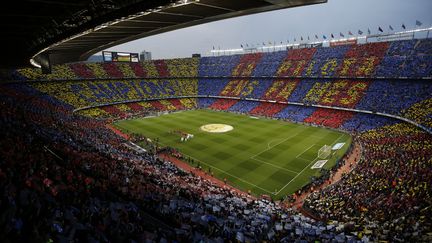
{"x":332,"y":17}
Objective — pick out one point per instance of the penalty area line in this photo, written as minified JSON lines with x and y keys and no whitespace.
{"x":268,"y":148}
{"x":281,"y":168}
{"x":301,"y":172}
{"x":305,"y":150}
{"x":238,"y":178}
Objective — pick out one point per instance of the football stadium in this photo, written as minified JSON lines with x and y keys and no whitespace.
{"x":324,"y":137}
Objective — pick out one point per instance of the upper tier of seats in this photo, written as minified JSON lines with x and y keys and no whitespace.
{"x":408,"y":58}
{"x":411,"y":99}
{"x":62,"y":171}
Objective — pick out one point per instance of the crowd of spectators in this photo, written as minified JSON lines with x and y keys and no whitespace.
{"x":185,"y":67}
{"x":222,"y":104}
{"x":246,"y":65}
{"x":295,"y":62}
{"x":268,"y":64}
{"x":325,"y":61}
{"x":67,"y":178}
{"x":391,"y":185}
{"x":267,"y":109}
{"x":219,"y":66}
{"x":329,"y":117}
{"x":420,"y":112}
{"x":86,"y":93}
{"x":406,"y":98}
{"x":61,"y":145}
{"x":244,"y":106}
{"x":408,"y":58}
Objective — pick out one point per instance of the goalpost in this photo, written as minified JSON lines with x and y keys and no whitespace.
{"x":324,"y":152}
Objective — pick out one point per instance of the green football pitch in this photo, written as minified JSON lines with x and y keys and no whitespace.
{"x":264,"y":156}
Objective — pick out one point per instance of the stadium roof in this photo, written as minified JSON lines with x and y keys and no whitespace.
{"x":66,"y":31}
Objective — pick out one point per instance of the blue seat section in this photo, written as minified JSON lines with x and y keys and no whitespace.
{"x":211,"y":86}
{"x":325,"y":61}
{"x":394,"y":96}
{"x":295,"y":113}
{"x":244,"y":106}
{"x":219,"y":66}
{"x":205,"y":102}
{"x":302,"y":89}
{"x":363,"y":122}
{"x":269,"y":63}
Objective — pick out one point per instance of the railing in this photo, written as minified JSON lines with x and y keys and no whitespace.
{"x":214,"y":77}
{"x":261,"y":100}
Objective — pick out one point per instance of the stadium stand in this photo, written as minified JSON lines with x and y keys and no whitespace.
{"x":66,"y":176}
{"x":411,"y":59}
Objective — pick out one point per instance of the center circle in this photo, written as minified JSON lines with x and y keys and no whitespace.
{"x":216,"y":128}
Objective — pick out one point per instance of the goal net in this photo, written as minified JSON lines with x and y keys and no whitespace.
{"x":324,"y":152}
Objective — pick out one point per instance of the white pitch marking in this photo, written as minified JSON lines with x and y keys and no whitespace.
{"x":282,"y":168}
{"x":238,"y":178}
{"x":305,"y":150}
{"x":275,"y":144}
{"x":305,"y":167}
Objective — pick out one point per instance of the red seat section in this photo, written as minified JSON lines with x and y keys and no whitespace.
{"x":156,"y":104}
{"x":138,"y":69}
{"x":223,"y":104}
{"x":112,"y":70}
{"x":81,"y":70}
{"x":267,"y":109}
{"x":329,"y":117}
{"x":176,"y":102}
{"x":135,"y":106}
{"x":162,"y":68}
{"x":116,"y":112}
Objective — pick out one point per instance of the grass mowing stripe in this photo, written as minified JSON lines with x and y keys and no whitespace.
{"x":307,"y":166}
{"x":238,"y":178}
{"x":305,"y":151}
{"x":229,"y":155}
{"x":291,"y":171}
{"x":276,"y":144}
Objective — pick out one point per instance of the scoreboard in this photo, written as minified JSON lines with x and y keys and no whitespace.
{"x":112,"y":56}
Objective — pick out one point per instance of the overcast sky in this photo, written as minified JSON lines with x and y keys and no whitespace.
{"x":332,"y":17}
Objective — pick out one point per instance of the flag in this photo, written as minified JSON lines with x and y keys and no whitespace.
{"x":332,"y":36}
{"x":308,"y":38}
{"x":390,"y":27}
{"x":342,"y":35}
{"x":324,"y":37}
{"x":403,"y":26}
{"x":350,"y":33}
{"x":270,"y":43}
{"x":241,"y":45}
{"x":369,"y":32}
{"x":287,"y":41}
{"x":379,"y":28}
{"x":263,"y":44}
{"x":360,"y":32}
{"x":295,"y":39}
{"x":301,"y":37}
{"x":247,"y":45}
{"x":316,"y":36}
{"x":418,"y":23}
{"x":213,"y":47}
